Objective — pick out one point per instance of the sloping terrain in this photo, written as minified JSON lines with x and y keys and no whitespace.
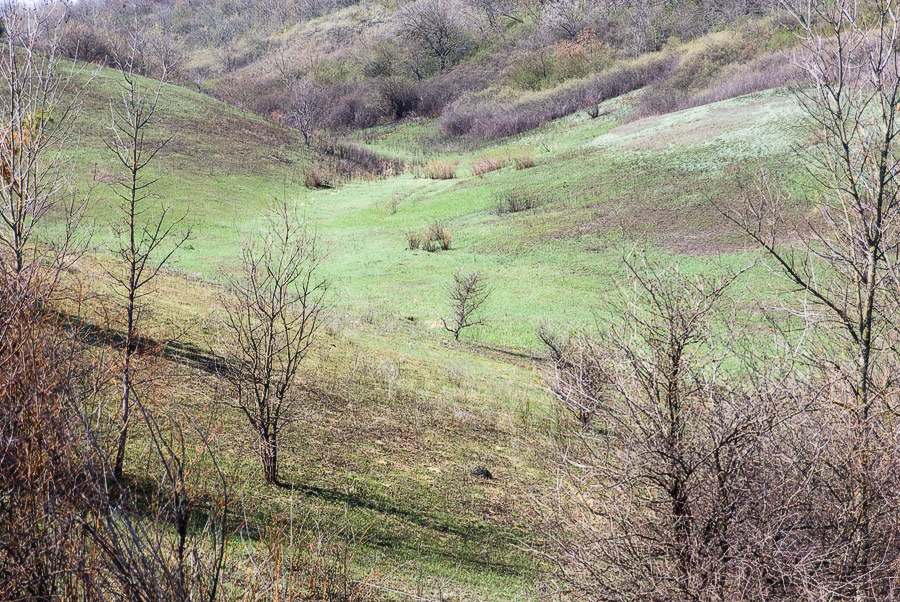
{"x":397,"y":416}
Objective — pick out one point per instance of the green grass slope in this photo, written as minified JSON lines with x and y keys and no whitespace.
{"x":220,"y":165}
{"x":600,"y":186}
{"x":393,"y":421}
{"x":397,"y":413}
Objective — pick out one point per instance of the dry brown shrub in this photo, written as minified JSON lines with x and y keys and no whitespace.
{"x":318,"y":178}
{"x":515,"y":201}
{"x":437,"y":170}
{"x":414,"y":240}
{"x":440,"y":237}
{"x":486,"y":165}
{"x":524,"y":162}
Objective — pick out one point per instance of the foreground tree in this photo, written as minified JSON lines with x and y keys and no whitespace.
{"x":848,"y":273}
{"x":272,"y":315}
{"x":37,"y":106}
{"x":658,"y":468}
{"x":146,"y":239}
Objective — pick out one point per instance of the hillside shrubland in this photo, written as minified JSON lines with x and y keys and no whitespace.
{"x":486,"y":68}
{"x":450,"y":300}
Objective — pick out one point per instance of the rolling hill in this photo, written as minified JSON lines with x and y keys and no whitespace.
{"x":397,"y":416}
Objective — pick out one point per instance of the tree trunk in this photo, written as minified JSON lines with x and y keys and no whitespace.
{"x":268,"y":454}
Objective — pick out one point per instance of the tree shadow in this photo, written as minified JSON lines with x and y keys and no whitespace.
{"x":474,"y":538}
{"x":176,"y":351}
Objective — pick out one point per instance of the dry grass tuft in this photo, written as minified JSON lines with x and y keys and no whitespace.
{"x":437,"y":237}
{"x":524,"y":162}
{"x":486,"y":165}
{"x":437,"y":170}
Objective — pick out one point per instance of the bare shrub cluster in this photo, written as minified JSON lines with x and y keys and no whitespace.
{"x":490,"y":123}
{"x":706,"y":460}
{"x":437,"y":237}
{"x":347,"y":160}
{"x":524,"y":162}
{"x":761,"y":73}
{"x":486,"y":165}
{"x":437,"y":169}
{"x":316,"y":177}
{"x":515,"y":201}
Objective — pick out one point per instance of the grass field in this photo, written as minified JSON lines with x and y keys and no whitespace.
{"x":600,"y":187}
{"x":398,"y":414}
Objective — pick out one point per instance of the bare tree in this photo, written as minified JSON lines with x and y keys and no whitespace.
{"x":845,"y":270}
{"x":468,"y":293}
{"x":658,"y":473}
{"x":272,"y":315}
{"x":495,"y":11}
{"x":435,"y":28}
{"x":171,"y":556}
{"x":308,"y":105}
{"x":38,"y":105}
{"x":146,"y":241}
{"x":565,"y":18}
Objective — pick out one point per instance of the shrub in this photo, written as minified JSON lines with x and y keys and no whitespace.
{"x":352,"y":160}
{"x":437,"y":170}
{"x":351,"y":109}
{"x":763,"y":73}
{"x":80,"y":41}
{"x":456,"y":124}
{"x":414,"y":240}
{"x":397,"y":97}
{"x":524,"y":162}
{"x":516,"y":201}
{"x":440,"y":235}
{"x":489,"y":123}
{"x":435,"y":93}
{"x":486,"y":165}
{"x":437,"y":237}
{"x":318,"y":178}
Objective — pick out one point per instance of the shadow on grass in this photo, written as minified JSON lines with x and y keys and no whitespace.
{"x":175,"y":350}
{"x":472,"y":539}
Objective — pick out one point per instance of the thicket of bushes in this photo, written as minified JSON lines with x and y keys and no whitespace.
{"x":489,"y":123}
{"x":576,"y":53}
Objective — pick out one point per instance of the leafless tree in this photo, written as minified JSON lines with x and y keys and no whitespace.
{"x":565,"y":18}
{"x":655,"y":499}
{"x":436,"y":29}
{"x":167,"y":554}
{"x":468,"y":293}
{"x":308,"y":105}
{"x":272,"y":315}
{"x":38,"y":104}
{"x":495,"y":11}
{"x":845,"y":273}
{"x":146,"y":240}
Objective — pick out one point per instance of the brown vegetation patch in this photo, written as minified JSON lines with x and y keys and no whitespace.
{"x":703,"y":129}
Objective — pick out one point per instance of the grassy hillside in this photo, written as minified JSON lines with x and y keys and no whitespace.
{"x":500,"y":67}
{"x":393,"y":423}
{"x":599,"y":186}
{"x":397,"y":415}
{"x":219,"y":166}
